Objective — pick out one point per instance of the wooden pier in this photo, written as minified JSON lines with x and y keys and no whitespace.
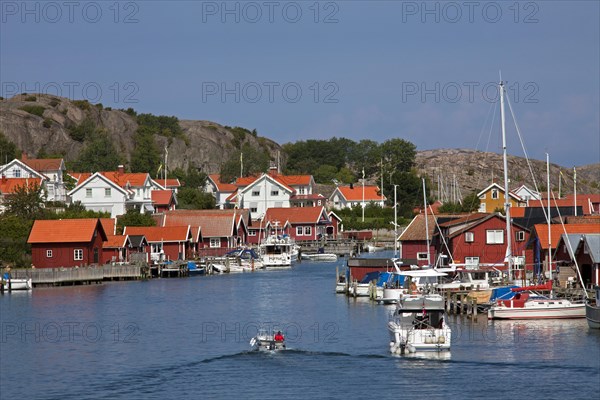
{"x":79,"y":276}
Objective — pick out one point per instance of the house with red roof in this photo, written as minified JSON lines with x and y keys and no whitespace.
{"x":8,"y":187}
{"x":66,"y":243}
{"x":479,"y":239}
{"x":300,"y":223}
{"x":167,"y":243}
{"x":219,"y":189}
{"x":590,"y":203}
{"x":163,"y":200}
{"x":50,"y":170}
{"x":352,"y":196}
{"x":114,"y":191}
{"x":261,"y":194}
{"x":413,"y":240}
{"x":579,"y":250}
{"x":116,"y":249}
{"x":220,"y":230}
{"x":492,"y":198}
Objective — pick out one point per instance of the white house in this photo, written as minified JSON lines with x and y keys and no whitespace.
{"x":526,"y":194}
{"x":115,"y":191}
{"x":221,"y":191}
{"x":50,"y":171}
{"x":263,"y":193}
{"x":354,"y":196}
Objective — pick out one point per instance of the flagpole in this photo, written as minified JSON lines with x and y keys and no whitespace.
{"x":166,"y":156}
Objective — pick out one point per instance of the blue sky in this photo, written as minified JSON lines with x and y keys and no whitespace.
{"x":296,"y":70}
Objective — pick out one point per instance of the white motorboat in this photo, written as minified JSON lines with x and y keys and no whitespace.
{"x":528,"y":304}
{"x":320,"y":257}
{"x":17,"y":284}
{"x":268,"y":341}
{"x":276,"y":251}
{"x":419,"y":324}
{"x":371,"y":248}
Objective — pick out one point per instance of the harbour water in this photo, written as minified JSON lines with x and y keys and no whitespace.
{"x":189,"y":338}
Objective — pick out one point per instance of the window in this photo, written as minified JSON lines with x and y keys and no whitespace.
{"x":215,"y":242}
{"x":472,"y":260}
{"x":107,"y":192}
{"x":256,"y":193}
{"x":88,"y":192}
{"x":495,"y":236}
{"x":482,"y":207}
{"x":253,"y":209}
{"x":494,"y":193}
{"x":17,"y":173}
{"x":49,"y":253}
{"x":469,"y":237}
{"x":421,"y":256}
{"x":299,"y":231}
{"x":301,"y":190}
{"x":274,"y":192}
{"x":307,"y":230}
{"x":252,"y":232}
{"x":520,"y":236}
{"x":78,"y":254}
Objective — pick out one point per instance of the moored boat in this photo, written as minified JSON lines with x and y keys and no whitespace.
{"x":276,"y":251}
{"x":16,"y":284}
{"x":528,"y":304}
{"x":592,"y":310}
{"x":320,"y":257}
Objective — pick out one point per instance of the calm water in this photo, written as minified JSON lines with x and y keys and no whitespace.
{"x":188,"y":338}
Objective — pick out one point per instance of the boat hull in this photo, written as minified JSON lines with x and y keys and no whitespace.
{"x":592,"y":313}
{"x":571,"y":311}
{"x":19,"y":284}
{"x":325,"y":257}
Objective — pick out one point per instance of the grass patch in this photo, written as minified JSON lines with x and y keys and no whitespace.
{"x":35,"y":110}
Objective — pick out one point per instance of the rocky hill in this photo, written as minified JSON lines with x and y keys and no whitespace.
{"x":41,"y":123}
{"x":37,"y":123}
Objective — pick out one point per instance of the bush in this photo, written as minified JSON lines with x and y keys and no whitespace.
{"x":82,"y":104}
{"x":47,"y":122}
{"x":82,"y":131}
{"x":54,"y":103}
{"x":99,"y":106}
{"x":35,"y":110}
{"x":30,"y":98}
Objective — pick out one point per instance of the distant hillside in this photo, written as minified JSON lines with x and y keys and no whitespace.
{"x":474,"y":170}
{"x":44,"y":127}
{"x":41,"y":124}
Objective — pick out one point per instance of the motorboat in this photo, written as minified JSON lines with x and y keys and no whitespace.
{"x":529,"y":304}
{"x":592,"y":310}
{"x":268,"y":341}
{"x":195,"y":268}
{"x":371,"y":248}
{"x":276,"y":251}
{"x":410,"y":282}
{"x":419,"y":324}
{"x":16,"y":284}
{"x":320,"y":257}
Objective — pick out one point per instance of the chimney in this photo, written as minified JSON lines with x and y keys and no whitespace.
{"x":352,"y":186}
{"x":4,"y":180}
{"x":23,"y":156}
{"x":121,"y":169}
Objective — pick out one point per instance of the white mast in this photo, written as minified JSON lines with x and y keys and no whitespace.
{"x":549,"y":230}
{"x":166,"y":155}
{"x":363,"y":193}
{"x":509,"y":254}
{"x":395,"y":222}
{"x":426,"y":222}
{"x":575,"y":190}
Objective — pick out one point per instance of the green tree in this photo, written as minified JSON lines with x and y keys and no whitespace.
{"x":325,"y":173}
{"x":255,"y":161}
{"x":99,"y":154}
{"x":8,"y":150}
{"x":345,"y":175}
{"x":194,"y":199}
{"x":76,"y":210}
{"x":26,"y":202}
{"x":471,"y":202}
{"x":145,"y":156}
{"x":14,"y":231}
{"x":85,"y":130}
{"x":134,"y":218}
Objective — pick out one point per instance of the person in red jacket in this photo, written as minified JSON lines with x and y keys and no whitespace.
{"x":278,"y":337}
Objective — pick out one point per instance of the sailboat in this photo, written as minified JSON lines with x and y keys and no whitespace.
{"x":527,"y":303}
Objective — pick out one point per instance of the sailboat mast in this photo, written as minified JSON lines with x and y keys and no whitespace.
{"x":426,"y":222}
{"x":549,"y":231}
{"x":506,"y":193}
{"x":395,"y":221}
{"x":575,"y":190}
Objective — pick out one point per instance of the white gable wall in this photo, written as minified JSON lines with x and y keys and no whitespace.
{"x":97,"y":198}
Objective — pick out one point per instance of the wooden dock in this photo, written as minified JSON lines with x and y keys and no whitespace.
{"x":79,"y":276}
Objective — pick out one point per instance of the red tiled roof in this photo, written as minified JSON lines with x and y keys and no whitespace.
{"x":294,"y":180}
{"x":162,"y":197}
{"x":172,"y":182}
{"x":294,"y":215}
{"x":356,"y":193}
{"x":222,"y":187}
{"x":9,"y":185}
{"x":43,"y":164}
{"x":64,"y":231}
{"x":108,"y":224}
{"x":568,"y":202}
{"x":464,"y":219}
{"x":212,"y":223}
{"x":115,"y":241}
{"x":160,"y":233}
{"x":556,"y":230}
{"x":595,"y":198}
{"x":245,"y":181}
{"x":416,"y":229}
{"x":136,"y":179}
{"x":517,"y":212}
